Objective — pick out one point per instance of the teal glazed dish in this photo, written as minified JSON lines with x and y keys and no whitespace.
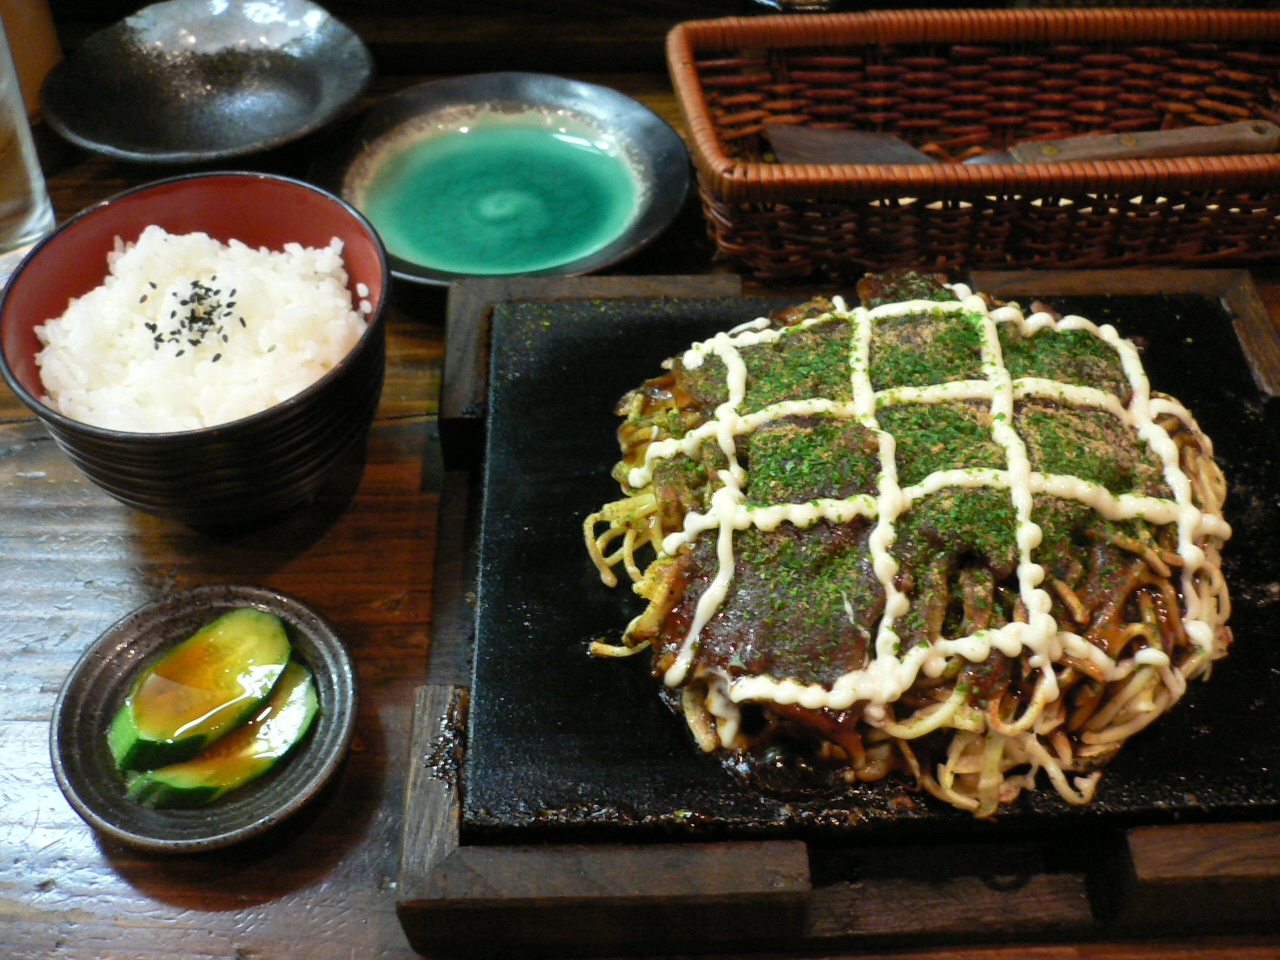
{"x":510,"y":174}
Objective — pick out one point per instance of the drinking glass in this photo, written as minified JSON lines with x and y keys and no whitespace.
{"x":25,"y":211}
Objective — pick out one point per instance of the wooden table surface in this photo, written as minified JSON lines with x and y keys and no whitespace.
{"x":72,"y":561}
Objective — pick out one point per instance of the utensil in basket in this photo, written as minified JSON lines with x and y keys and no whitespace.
{"x":797,"y":144}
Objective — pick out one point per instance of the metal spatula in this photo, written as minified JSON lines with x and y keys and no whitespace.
{"x":796,"y":144}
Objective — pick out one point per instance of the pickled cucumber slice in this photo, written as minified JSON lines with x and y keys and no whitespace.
{"x":245,"y":753}
{"x":198,"y":690}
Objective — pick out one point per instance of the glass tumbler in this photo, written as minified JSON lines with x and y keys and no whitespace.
{"x":25,"y":211}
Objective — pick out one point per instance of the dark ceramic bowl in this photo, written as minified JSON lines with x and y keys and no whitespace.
{"x":235,"y":472}
{"x":653,"y":151}
{"x":191,"y":81}
{"x":99,"y":682}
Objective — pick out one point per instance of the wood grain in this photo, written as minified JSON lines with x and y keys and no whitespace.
{"x":73,"y":562}
{"x":470,"y":901}
{"x":1201,"y":870}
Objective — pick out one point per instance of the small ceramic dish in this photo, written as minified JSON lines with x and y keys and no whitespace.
{"x":193,"y":81}
{"x":100,"y":681}
{"x":509,"y":174}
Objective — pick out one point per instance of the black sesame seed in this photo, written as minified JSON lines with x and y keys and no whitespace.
{"x":180,"y":353}
{"x":216,"y":357}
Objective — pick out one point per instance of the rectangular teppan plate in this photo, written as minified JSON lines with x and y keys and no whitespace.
{"x":568,"y":747}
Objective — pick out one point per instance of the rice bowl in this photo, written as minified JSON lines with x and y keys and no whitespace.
{"x":262,"y":463}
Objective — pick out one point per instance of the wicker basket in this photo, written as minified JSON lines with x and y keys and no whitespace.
{"x":953,"y":82}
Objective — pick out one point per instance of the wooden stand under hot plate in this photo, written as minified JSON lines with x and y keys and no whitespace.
{"x":463,"y":900}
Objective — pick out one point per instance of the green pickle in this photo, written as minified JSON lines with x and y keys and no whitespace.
{"x":196,"y":692}
{"x":240,"y":756}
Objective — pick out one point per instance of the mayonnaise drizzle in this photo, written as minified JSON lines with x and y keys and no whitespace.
{"x":891,"y":670}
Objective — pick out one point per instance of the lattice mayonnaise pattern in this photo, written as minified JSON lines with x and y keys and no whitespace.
{"x":891,"y":670}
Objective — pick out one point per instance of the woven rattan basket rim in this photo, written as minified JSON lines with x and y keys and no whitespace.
{"x":735,"y":180}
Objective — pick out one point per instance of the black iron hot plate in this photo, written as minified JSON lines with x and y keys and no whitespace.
{"x":563,"y":745}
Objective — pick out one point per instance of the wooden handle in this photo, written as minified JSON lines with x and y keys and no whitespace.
{"x":1246,"y":136}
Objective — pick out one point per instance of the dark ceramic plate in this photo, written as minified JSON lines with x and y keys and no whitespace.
{"x":192,"y":81}
{"x":100,"y":681}
{"x":565,"y":745}
{"x":654,"y":151}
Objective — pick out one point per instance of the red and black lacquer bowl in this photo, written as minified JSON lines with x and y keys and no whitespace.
{"x":232,"y":473}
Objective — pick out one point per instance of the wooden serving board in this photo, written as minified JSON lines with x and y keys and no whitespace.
{"x":531,"y":896}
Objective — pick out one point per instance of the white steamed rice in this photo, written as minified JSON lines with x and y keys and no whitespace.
{"x":130,"y":355}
